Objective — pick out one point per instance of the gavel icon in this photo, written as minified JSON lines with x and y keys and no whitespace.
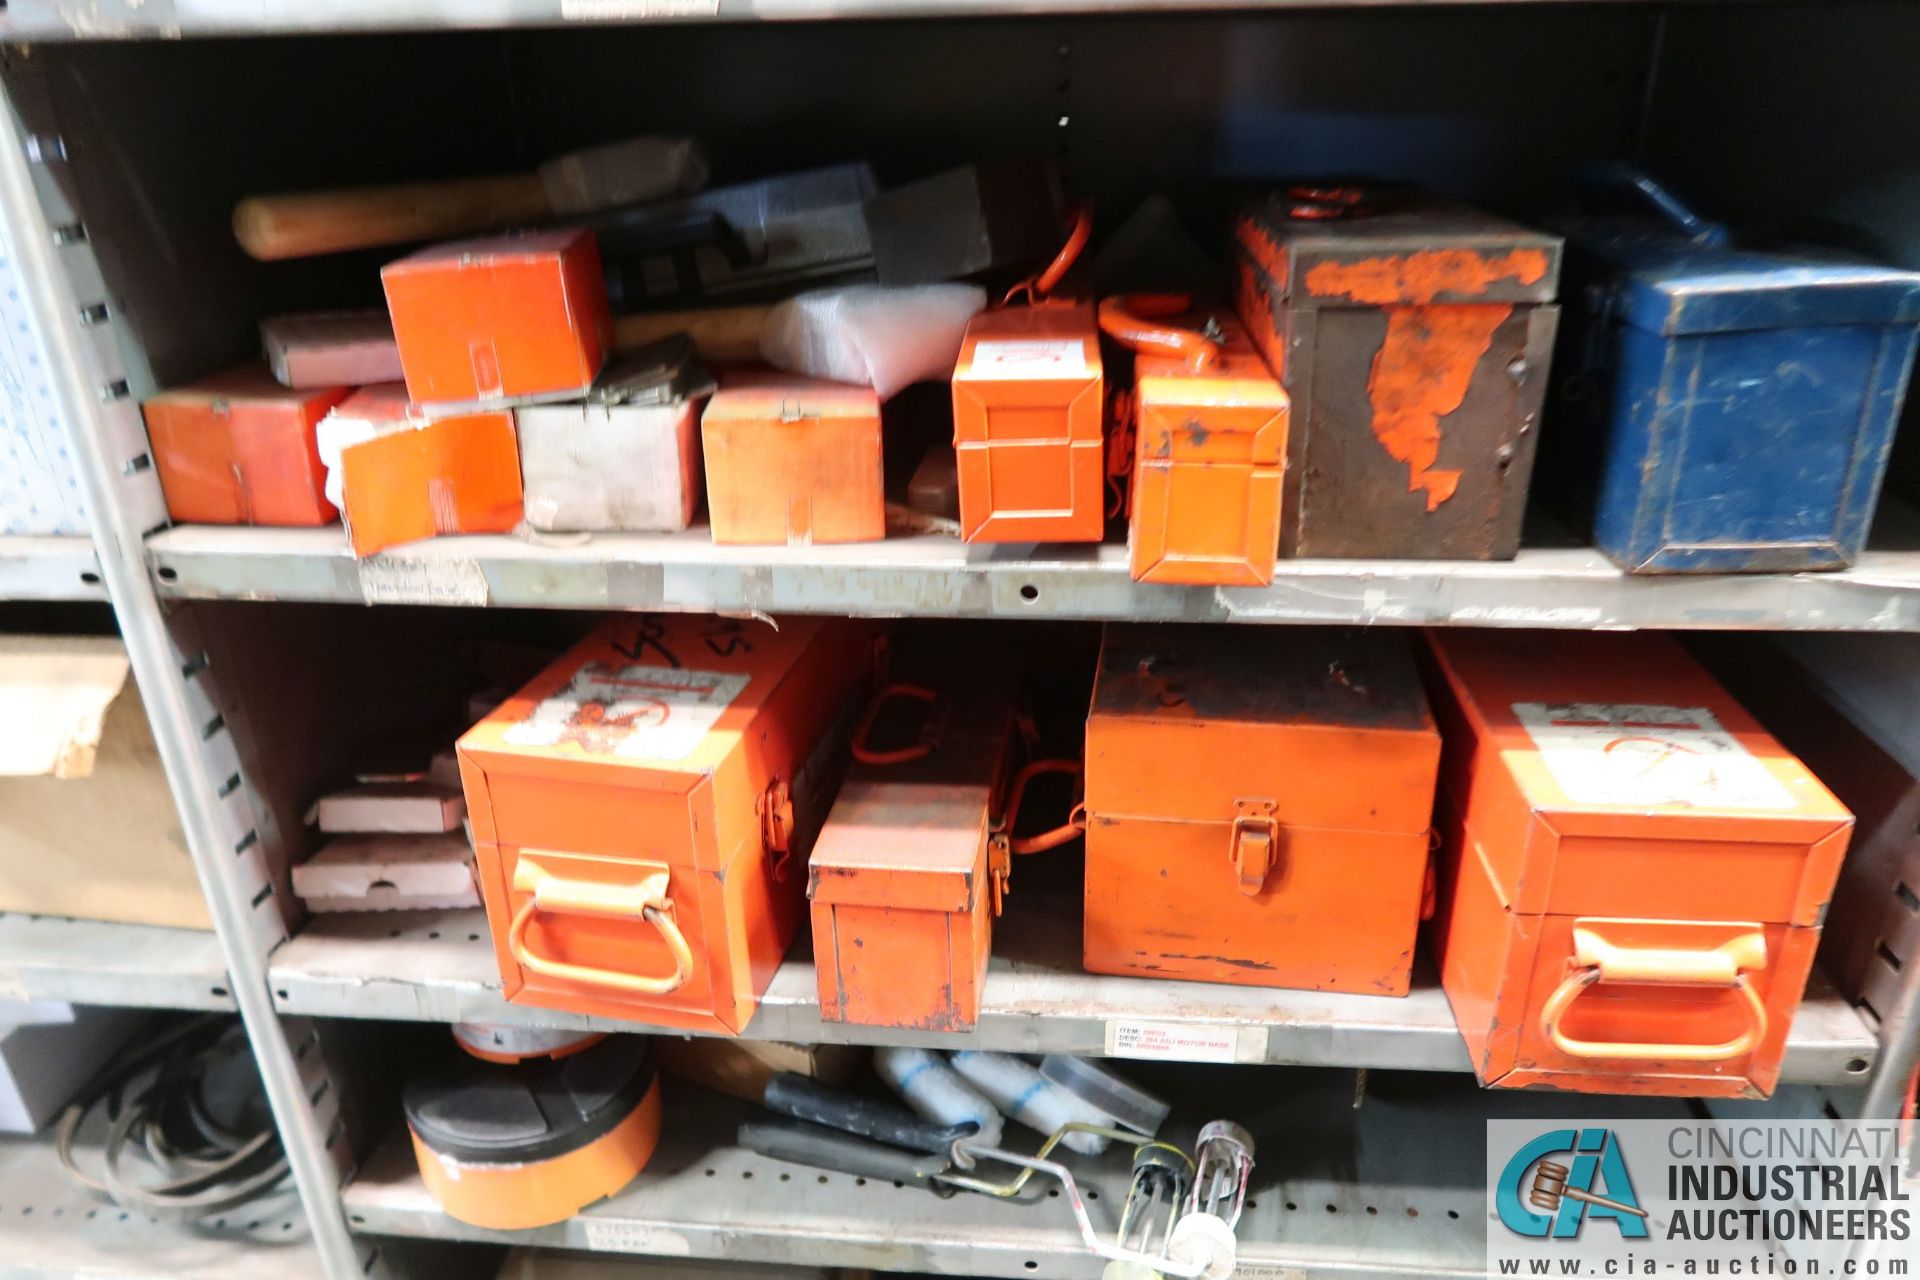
{"x":1550,"y":1188}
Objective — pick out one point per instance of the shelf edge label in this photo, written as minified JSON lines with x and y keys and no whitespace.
{"x":1184,"y":1042}
{"x":611,"y":1235}
{"x":388,"y":579}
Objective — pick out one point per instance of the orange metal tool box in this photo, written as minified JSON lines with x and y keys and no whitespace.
{"x":1029,"y":415}
{"x":643,"y":810}
{"x":509,"y":318}
{"x":793,"y":461}
{"x":239,"y":448}
{"x":1633,"y":872}
{"x":1259,"y":803}
{"x":1210,"y":425}
{"x":910,"y":868}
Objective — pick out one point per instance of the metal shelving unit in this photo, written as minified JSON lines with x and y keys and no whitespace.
{"x":128,"y":965}
{"x":941,"y":577}
{"x":49,"y":569}
{"x":440,"y":967}
{"x":54,"y":1231}
{"x":1390,"y":1189}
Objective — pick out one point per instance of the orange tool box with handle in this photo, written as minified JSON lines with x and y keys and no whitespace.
{"x":793,"y":461}
{"x":1258,"y":807}
{"x":1633,"y":872}
{"x":239,"y":448}
{"x":910,"y":869}
{"x":1210,"y":447}
{"x":642,"y":812}
{"x":1029,"y":413}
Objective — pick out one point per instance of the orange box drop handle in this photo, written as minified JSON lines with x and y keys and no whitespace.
{"x":646,"y":900}
{"x":1596,"y":960}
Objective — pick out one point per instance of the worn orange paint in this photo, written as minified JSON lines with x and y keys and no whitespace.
{"x":1210,"y":449}
{"x":794,"y":461}
{"x":907,"y":874}
{"x":1425,"y":364}
{"x":1659,"y":884}
{"x":513,"y":1197}
{"x":1254,"y":815}
{"x":678,"y":765}
{"x":1266,"y":268}
{"x":238,"y":448}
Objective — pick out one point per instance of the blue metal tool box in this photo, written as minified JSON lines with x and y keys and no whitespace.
{"x":1746,"y":400}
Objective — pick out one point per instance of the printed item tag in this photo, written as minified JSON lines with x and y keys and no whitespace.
{"x":1630,"y":754}
{"x":632,"y":712}
{"x":1030,"y":358}
{"x":1181,"y":1042}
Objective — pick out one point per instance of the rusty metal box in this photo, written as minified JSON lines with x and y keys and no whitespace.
{"x":1632,"y":871}
{"x":1259,"y":802}
{"x":642,"y":812}
{"x":1413,"y":335}
{"x":909,"y":870}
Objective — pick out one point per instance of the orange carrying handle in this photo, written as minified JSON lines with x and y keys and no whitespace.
{"x":929,"y":731}
{"x":645,"y":899}
{"x":1595,"y":960}
{"x":1039,"y":287}
{"x":1134,"y":320}
{"x":1040,"y":842}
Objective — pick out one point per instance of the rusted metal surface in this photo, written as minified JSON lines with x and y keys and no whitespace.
{"x":1413,"y":337}
{"x":1257,"y":808}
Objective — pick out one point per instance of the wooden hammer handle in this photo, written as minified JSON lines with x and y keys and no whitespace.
{"x":720,"y":334}
{"x":309,"y":223}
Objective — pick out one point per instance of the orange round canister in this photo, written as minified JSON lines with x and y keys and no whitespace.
{"x":529,"y":1144}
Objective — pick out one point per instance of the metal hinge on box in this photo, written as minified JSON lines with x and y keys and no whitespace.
{"x":775,"y":808}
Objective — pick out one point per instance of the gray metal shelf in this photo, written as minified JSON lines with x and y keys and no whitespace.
{"x":440,"y":967}
{"x":1395,"y":1188}
{"x":173,"y":19}
{"x":51,"y":1230}
{"x":93,"y":962}
{"x":49,"y":569}
{"x":941,"y":577}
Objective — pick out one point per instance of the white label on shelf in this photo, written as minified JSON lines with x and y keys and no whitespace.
{"x":1268,"y":1271}
{"x":1529,"y":615}
{"x":1618,"y":753}
{"x":615,"y":10}
{"x":610,"y":1235}
{"x":633,"y":712}
{"x":1030,"y":358}
{"x":1182,"y":1042}
{"x":422,"y":580}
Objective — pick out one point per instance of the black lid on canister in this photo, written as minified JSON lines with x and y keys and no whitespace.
{"x":515,"y":1113}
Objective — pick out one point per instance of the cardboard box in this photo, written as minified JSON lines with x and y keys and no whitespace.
{"x":86,"y":821}
{"x":741,"y":1068}
{"x":239,"y":448}
{"x":793,"y":461}
{"x":43,"y":1064}
{"x":389,"y":872}
{"x":401,"y":474}
{"x":418,"y":808}
{"x":331,"y":348}
{"x":507,"y":318}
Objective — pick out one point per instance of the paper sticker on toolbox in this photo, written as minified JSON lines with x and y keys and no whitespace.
{"x":634,"y":712}
{"x":1030,"y":358}
{"x":1632,"y":754}
{"x":1180,"y":1042}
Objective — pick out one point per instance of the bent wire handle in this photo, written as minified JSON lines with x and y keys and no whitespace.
{"x":646,"y":900}
{"x":1053,"y":838}
{"x":1037,"y":288}
{"x":1095,"y":1245}
{"x":929,"y":735}
{"x":1130,"y":319}
{"x":1596,"y":960}
{"x":1664,"y":201}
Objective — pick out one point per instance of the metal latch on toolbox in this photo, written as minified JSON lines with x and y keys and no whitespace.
{"x":775,"y":808}
{"x":1254,"y":845}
